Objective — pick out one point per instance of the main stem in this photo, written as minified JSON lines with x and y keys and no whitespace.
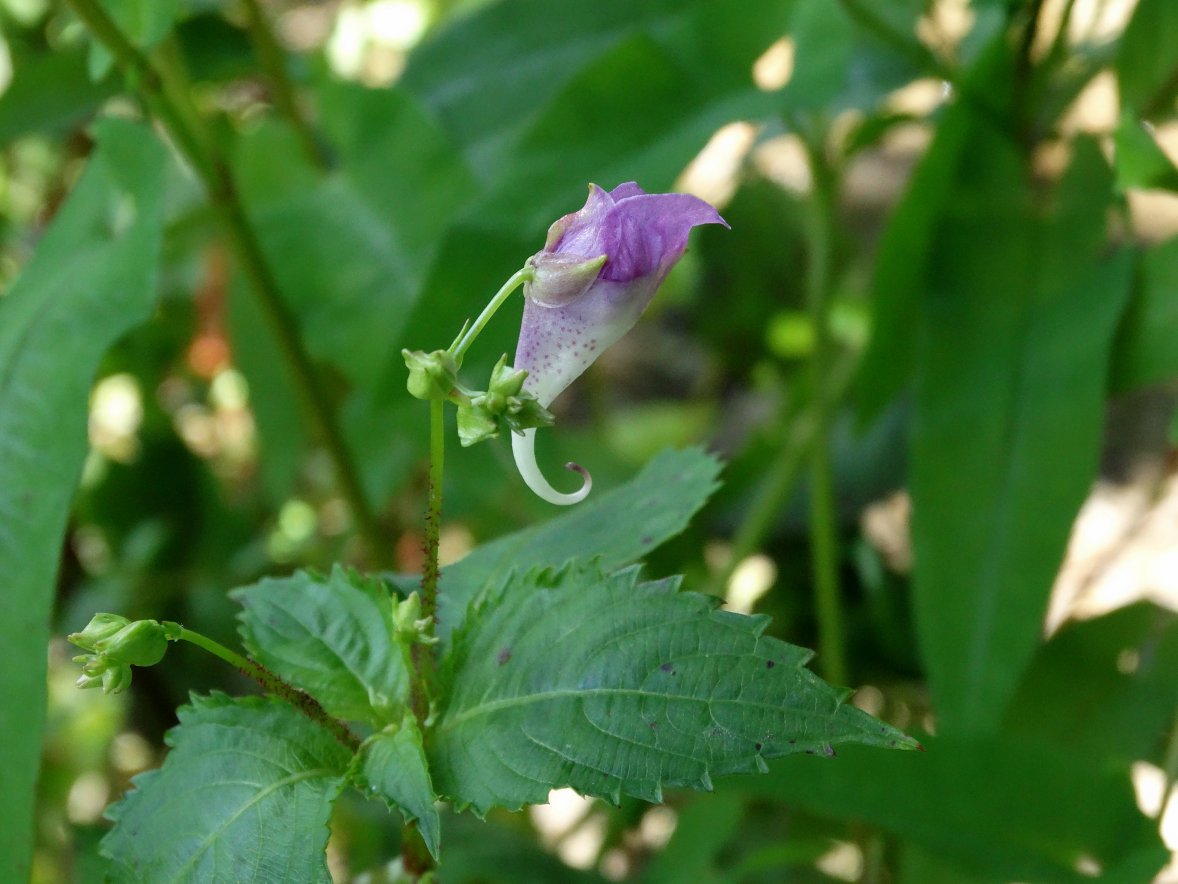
{"x":415,"y":858}
{"x":305,"y":703}
{"x":424,"y":660}
{"x":824,"y":554}
{"x":171,"y":106}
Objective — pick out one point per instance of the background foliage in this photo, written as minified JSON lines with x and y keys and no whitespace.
{"x":943,"y":320}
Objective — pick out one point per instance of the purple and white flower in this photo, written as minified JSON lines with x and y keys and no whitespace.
{"x":598,"y":270}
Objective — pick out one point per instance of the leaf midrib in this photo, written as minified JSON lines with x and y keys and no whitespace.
{"x":494,"y":706}
{"x":256,"y":798}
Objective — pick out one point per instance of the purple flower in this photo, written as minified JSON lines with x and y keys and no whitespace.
{"x":598,"y":270}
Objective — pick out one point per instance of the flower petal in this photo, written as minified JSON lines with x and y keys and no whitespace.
{"x":627,"y":190}
{"x":647,"y":233}
{"x":578,"y":234}
{"x":523,"y":448}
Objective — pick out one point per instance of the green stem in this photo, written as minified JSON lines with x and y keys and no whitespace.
{"x":459,"y":347}
{"x":415,"y":857}
{"x":781,"y":477}
{"x":824,"y":553}
{"x":172,"y":107}
{"x":273,"y":61}
{"x":270,"y":682}
{"x":424,"y":654}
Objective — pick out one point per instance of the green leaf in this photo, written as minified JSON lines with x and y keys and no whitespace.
{"x":1147,"y":59}
{"x":1124,"y":666}
{"x":490,"y":77}
{"x":901,"y":272}
{"x":1006,"y":809}
{"x":611,"y":686}
{"x":901,"y":268}
{"x":825,"y":37}
{"x":1145,"y":352}
{"x":1140,"y":160}
{"x":703,"y":829}
{"x":1020,"y":308}
{"x":621,"y":526}
{"x":92,"y":278}
{"x":393,"y":766}
{"x":50,"y":93}
{"x":145,"y":22}
{"x":333,"y":637}
{"x":244,"y":795}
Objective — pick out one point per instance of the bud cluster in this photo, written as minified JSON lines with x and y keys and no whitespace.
{"x":481,"y":413}
{"x":115,"y":644}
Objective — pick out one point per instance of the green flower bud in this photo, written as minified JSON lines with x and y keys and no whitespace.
{"x":101,"y":626}
{"x":505,"y":380}
{"x":409,"y":623}
{"x":141,"y":643}
{"x":431,"y":375}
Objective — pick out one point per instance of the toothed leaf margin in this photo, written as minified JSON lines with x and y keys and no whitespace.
{"x":613,"y":686}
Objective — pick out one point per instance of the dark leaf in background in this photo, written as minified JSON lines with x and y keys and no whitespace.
{"x":1011,"y":368}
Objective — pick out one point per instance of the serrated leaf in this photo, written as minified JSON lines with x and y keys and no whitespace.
{"x":244,"y":795}
{"x":620,"y":526}
{"x":611,"y":686}
{"x":93,"y":278}
{"x":333,"y":637}
{"x":392,"y":764}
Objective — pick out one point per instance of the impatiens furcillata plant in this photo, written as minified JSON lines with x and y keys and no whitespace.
{"x":554,"y":664}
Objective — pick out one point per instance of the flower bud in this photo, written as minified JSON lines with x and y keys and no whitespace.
{"x":101,"y":626}
{"x":141,"y":643}
{"x":431,"y":375}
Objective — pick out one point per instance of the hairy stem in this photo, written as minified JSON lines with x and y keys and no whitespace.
{"x":270,"y":682}
{"x":782,"y":476}
{"x":459,"y":347}
{"x":171,"y":106}
{"x":824,"y":554}
{"x":415,"y":858}
{"x":424,"y":653}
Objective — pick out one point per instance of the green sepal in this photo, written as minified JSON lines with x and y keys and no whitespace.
{"x":527,"y":413}
{"x":476,"y":422}
{"x":505,"y":401}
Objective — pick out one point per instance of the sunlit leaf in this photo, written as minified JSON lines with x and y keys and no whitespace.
{"x":611,"y":686}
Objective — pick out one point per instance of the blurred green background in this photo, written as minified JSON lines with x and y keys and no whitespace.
{"x":938,"y":351}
